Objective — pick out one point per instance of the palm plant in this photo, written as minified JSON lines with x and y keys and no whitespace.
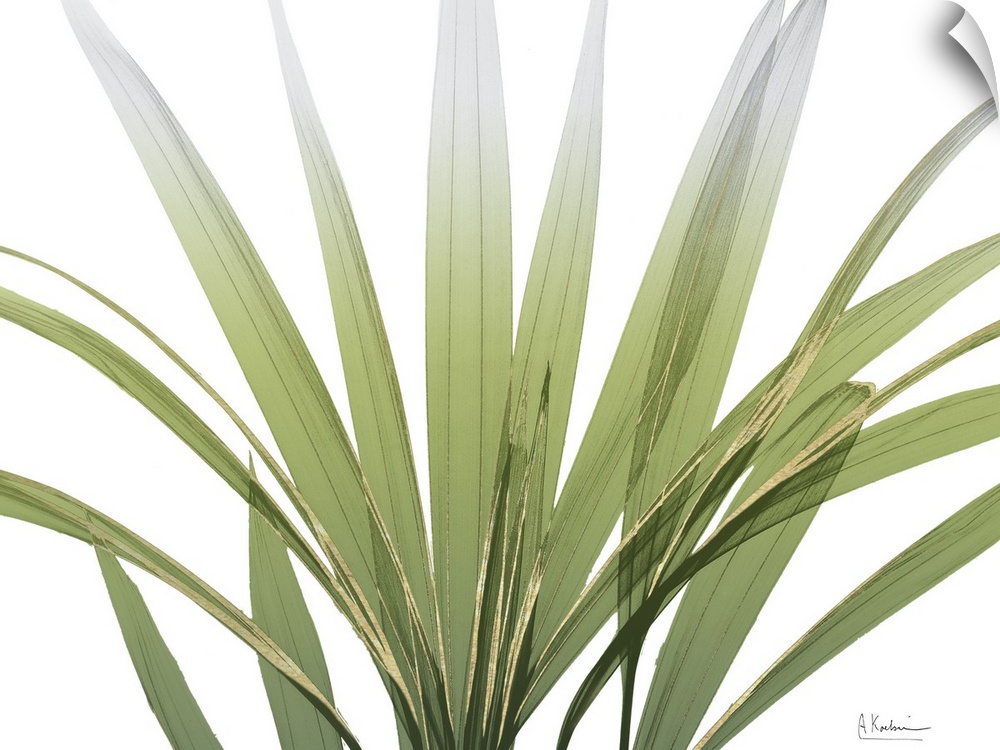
{"x":471,"y":625}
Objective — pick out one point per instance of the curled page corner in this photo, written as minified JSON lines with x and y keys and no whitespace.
{"x":967,"y":33}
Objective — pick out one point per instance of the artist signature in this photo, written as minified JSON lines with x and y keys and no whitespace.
{"x":875,"y":727}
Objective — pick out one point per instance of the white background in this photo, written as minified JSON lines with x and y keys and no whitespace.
{"x":73,"y":193}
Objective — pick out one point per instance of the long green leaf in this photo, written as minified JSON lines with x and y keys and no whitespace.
{"x":601,"y":469}
{"x":878,"y":233}
{"x":267,"y":344}
{"x":681,"y":335}
{"x":373,"y":388}
{"x":919,"y":435}
{"x":555,"y":297}
{"x":871,"y":327}
{"x":696,"y":283}
{"x":705,"y":304}
{"x":377,"y":413}
{"x":256,"y":322}
{"x":468,"y":311}
{"x":717,"y":263}
{"x":938,"y":554}
{"x":44,"y":506}
{"x":166,"y":690}
{"x":543,"y":372}
{"x":592,"y":497}
{"x":711,"y":214}
{"x":138,"y":382}
{"x":279,"y":608}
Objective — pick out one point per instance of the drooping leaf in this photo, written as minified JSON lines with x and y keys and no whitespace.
{"x":109,"y":353}
{"x":138,"y":382}
{"x":468,"y":311}
{"x":44,"y":506}
{"x":154,"y":395}
{"x":166,"y":690}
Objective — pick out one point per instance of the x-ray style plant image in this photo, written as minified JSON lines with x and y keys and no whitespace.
{"x":480,"y":374}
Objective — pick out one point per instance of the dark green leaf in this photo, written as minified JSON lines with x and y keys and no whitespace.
{"x":34,"y":502}
{"x":279,"y":608}
{"x":166,"y":690}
